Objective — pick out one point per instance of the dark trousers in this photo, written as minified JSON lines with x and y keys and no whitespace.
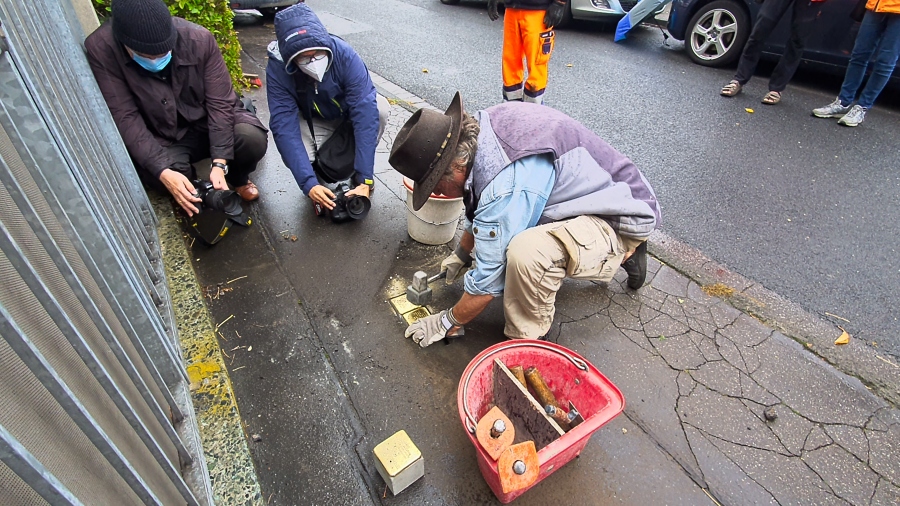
{"x":803,"y":16}
{"x":250,"y":143}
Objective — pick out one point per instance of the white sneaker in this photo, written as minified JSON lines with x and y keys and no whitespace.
{"x":853,"y":118}
{"x":832,"y":110}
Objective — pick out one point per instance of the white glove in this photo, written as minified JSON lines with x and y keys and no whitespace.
{"x":456,"y":264}
{"x":431,"y":329}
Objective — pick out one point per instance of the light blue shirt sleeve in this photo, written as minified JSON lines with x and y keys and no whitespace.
{"x":509,"y":204}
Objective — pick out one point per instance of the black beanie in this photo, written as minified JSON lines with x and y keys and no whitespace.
{"x":145,"y":26}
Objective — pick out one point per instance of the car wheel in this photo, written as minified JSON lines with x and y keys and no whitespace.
{"x":449,"y":2}
{"x":717,"y":33}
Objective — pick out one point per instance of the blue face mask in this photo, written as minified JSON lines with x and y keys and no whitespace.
{"x":155,"y":64}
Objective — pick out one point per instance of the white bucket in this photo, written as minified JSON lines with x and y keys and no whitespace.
{"x":435,"y":223}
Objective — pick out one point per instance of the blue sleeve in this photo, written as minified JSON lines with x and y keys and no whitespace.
{"x":511,"y":203}
{"x":284,"y":122}
{"x":359,"y":93}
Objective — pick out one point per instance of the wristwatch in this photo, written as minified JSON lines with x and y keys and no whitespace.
{"x":223,"y":166}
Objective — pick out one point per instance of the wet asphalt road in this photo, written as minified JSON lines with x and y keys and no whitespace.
{"x":799,"y":204}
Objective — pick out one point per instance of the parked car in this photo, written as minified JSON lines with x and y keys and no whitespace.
{"x":265,"y":7}
{"x":590,"y":10}
{"x":715,"y":31}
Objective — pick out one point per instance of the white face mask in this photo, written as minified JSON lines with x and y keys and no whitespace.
{"x":315,"y":69}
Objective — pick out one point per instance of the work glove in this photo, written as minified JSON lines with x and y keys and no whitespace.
{"x":431,"y":329}
{"x":492,"y":10}
{"x":456,"y":264}
{"x":554,"y":14}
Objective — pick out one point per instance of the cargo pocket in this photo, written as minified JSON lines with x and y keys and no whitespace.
{"x":592,"y":246}
{"x":488,"y":235}
{"x":547,"y":42}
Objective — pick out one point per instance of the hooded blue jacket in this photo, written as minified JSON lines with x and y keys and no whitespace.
{"x":346,"y":91}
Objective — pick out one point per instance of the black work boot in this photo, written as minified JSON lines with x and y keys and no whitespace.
{"x":636,"y":267}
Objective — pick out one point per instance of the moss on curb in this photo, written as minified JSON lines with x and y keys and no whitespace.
{"x":231,"y":470}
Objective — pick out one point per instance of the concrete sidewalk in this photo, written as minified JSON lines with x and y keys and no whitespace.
{"x":322,"y":373}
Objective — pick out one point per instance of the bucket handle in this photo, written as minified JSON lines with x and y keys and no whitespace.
{"x":470,"y":418}
{"x":456,"y":220}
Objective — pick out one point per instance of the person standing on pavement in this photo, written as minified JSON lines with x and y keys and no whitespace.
{"x":545,"y":199}
{"x":878,"y":34}
{"x":168,"y":89}
{"x":315,"y":83}
{"x":527,"y":34}
{"x":803,"y":16}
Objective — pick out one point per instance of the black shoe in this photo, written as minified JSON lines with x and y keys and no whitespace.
{"x":636,"y":267}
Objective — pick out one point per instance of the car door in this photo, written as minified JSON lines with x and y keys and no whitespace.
{"x":832,"y":38}
{"x":832,"y":41}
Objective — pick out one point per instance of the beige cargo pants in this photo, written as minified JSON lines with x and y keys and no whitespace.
{"x":538,"y":259}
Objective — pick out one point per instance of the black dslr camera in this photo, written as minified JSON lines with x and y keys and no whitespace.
{"x":354,"y":207}
{"x":225,"y":201}
{"x":218,"y":209}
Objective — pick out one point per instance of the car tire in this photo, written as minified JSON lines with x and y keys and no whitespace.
{"x":449,"y":2}
{"x":716,"y":34}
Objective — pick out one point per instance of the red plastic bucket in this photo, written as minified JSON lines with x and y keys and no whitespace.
{"x":569,"y":376}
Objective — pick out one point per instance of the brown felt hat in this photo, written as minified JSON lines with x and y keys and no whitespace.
{"x":424,"y":148}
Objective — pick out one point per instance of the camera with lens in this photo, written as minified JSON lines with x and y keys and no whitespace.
{"x":225,"y":201}
{"x":346,"y":208}
{"x":218,"y":210}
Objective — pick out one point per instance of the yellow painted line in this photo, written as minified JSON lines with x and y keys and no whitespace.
{"x":199,"y":371}
{"x":225,"y":448}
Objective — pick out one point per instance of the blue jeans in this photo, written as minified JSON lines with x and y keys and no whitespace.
{"x":879,"y":34}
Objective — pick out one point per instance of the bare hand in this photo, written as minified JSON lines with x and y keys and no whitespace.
{"x":217,"y":178}
{"x":322,"y":196}
{"x":181,"y":189}
{"x":362,"y":190}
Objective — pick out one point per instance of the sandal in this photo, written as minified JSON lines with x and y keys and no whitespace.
{"x":771,"y":98}
{"x":731,"y":89}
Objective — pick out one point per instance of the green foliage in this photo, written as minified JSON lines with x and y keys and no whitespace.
{"x":215,"y":16}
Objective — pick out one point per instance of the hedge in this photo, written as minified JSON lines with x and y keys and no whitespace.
{"x":215,"y":16}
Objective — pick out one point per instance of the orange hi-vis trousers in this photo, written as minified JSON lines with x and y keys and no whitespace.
{"x":525,"y":37}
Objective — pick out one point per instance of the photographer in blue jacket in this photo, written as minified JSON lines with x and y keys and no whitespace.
{"x":315,"y":83}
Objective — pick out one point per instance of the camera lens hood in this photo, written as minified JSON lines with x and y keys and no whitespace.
{"x":358,"y":207}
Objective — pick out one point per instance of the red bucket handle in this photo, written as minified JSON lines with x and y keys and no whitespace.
{"x":471,"y":422}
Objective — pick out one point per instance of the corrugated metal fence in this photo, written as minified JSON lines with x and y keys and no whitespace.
{"x":94,"y":403}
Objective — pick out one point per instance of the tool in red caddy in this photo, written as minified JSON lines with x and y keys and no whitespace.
{"x":572,"y":380}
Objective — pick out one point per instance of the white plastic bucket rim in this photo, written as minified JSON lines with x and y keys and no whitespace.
{"x":441,"y":228}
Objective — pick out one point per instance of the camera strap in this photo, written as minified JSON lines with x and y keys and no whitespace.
{"x":312,"y":131}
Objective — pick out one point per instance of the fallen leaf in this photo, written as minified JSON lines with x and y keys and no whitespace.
{"x":718,"y":290}
{"x":294,"y":238}
{"x":844,"y":339}
{"x":749,"y":110}
{"x":424,"y":71}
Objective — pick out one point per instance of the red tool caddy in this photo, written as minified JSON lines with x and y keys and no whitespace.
{"x":569,"y":376}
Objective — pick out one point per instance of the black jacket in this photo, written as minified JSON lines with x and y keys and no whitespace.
{"x":146,"y":108}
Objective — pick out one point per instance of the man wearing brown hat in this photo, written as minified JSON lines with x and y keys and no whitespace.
{"x":170,"y":94}
{"x":545,"y":199}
